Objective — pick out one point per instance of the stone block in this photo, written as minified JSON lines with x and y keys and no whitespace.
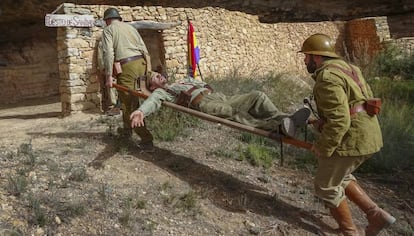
{"x":93,"y":88}
{"x":77,"y":43}
{"x":73,"y":52}
{"x":82,"y":106}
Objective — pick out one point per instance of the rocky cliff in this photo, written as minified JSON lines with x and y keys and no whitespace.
{"x":26,"y":12}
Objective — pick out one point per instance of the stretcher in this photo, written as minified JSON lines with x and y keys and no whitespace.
{"x":268,"y":134}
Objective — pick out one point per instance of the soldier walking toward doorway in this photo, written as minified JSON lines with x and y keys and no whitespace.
{"x":123,"y":45}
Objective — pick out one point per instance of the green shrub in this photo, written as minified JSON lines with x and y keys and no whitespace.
{"x":104,"y":192}
{"x":387,"y":89}
{"x":253,"y":138}
{"x":72,"y":209}
{"x":77,"y":174}
{"x":391,"y":76}
{"x":187,"y":201}
{"x":224,"y":152}
{"x":259,"y":155}
{"x":17,"y":185}
{"x":26,"y":152}
{"x":38,"y":213}
{"x":398,"y":135}
{"x":393,"y":63}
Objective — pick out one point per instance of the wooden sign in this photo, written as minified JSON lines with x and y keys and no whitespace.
{"x":61,"y":20}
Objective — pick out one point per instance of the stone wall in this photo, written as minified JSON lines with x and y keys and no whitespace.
{"x":79,"y":84}
{"x":406,"y":43}
{"x":32,"y":70}
{"x":402,"y":30}
{"x":230,"y":42}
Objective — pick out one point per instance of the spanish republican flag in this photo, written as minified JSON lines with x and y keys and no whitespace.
{"x":193,"y":51}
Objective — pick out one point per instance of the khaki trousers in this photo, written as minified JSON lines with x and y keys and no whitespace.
{"x":333,"y":176}
{"x":131,"y":71}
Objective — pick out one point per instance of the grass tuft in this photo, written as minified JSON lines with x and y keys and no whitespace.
{"x":259,"y":155}
{"x":17,"y":185}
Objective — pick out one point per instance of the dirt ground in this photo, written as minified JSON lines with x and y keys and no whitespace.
{"x":67,"y":176}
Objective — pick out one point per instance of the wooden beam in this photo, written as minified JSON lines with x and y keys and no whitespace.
{"x":153,"y":25}
{"x":145,"y":24}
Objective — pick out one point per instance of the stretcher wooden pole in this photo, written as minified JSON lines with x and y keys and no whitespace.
{"x":232,"y":124}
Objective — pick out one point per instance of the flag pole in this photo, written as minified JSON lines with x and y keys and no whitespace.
{"x":188,"y":47}
{"x":199,"y":71}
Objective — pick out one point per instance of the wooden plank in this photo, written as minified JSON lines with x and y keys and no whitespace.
{"x":144,"y":24}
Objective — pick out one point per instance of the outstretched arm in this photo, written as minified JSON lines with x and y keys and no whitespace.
{"x":149,"y":106}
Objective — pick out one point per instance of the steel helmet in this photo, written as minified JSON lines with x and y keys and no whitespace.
{"x":319,"y":44}
{"x":111,"y":13}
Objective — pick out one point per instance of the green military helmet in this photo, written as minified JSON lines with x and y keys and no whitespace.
{"x":111,"y":13}
{"x":319,"y":44}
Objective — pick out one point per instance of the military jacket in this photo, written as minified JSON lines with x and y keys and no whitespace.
{"x":335,"y":93}
{"x":120,"y":40}
{"x":153,"y":102}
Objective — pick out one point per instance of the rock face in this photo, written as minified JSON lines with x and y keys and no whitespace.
{"x":24,"y":12}
{"x":250,"y":37}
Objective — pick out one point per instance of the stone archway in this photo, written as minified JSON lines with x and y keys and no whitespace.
{"x":80,"y":81}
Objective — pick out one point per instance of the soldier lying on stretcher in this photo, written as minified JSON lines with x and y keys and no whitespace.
{"x":253,"y":109}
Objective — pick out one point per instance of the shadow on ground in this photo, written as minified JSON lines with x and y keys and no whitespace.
{"x":222,"y":189}
{"x":33,"y":116}
{"x":32,"y":102}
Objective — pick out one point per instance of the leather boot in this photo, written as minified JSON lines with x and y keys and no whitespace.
{"x":342,"y":215}
{"x":378,"y":219}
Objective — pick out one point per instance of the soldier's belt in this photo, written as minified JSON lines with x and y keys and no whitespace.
{"x":129,"y":59}
{"x":199,"y":97}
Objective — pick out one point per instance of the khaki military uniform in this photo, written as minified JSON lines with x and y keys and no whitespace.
{"x":253,"y":109}
{"x":121,"y":40}
{"x":346,"y":140}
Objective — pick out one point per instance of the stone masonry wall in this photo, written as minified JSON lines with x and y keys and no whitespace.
{"x":229,"y":42}
{"x":79,"y":85}
{"x":366,"y":36}
{"x":401,"y":29}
